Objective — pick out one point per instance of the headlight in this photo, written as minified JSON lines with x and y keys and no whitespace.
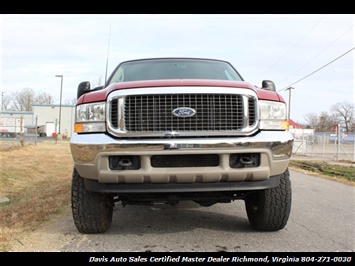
{"x":90,"y":118}
{"x":273,"y":115}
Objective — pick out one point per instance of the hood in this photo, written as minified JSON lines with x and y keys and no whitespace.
{"x":101,"y":95}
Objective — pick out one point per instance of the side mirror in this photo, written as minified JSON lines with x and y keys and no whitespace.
{"x":268,"y":85}
{"x":83,"y":88}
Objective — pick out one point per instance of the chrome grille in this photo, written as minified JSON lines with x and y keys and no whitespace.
{"x":252,"y":110}
{"x":153,"y":113}
{"x":114,"y":113}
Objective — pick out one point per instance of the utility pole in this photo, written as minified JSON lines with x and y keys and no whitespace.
{"x":60,"y":105}
{"x":289,"y":103}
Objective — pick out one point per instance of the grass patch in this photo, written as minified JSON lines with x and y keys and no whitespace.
{"x":340,"y":172}
{"x":37,"y":180}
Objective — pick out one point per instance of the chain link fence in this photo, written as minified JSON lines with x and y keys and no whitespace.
{"x":327,"y":145}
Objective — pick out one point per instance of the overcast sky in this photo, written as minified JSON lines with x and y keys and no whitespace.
{"x":283,"y":48}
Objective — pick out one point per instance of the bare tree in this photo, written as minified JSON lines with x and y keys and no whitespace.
{"x":5,"y":102}
{"x":23,"y":100}
{"x":43,"y":98}
{"x":352,"y":126}
{"x":312,"y":120}
{"x":344,"y":111}
{"x":321,"y":123}
{"x":326,"y":122}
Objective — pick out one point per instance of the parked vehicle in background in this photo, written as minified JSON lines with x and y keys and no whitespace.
{"x":163,"y":130}
{"x":10,"y":127}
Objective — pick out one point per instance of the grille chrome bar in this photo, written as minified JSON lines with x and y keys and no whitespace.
{"x":153,"y":113}
{"x":147,"y":112}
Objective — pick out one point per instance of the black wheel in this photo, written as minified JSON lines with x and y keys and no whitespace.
{"x":92,"y":212}
{"x":269,"y":210}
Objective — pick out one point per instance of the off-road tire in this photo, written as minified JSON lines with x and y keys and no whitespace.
{"x":269,"y":210}
{"x":92,"y":212}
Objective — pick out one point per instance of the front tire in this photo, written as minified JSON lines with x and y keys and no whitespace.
{"x":92,"y":212}
{"x":269,"y":210}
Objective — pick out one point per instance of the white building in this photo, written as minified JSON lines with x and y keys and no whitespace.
{"x":51,"y":121}
{"x":46,"y":117}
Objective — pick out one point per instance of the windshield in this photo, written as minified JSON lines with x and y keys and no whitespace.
{"x":173,"y":69}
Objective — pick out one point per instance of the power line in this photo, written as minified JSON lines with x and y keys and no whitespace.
{"x":294,"y":46}
{"x":318,"y":54}
{"x":318,"y":69}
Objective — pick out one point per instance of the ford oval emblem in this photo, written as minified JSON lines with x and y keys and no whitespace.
{"x":184,"y":112}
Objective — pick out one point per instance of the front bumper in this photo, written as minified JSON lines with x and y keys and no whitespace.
{"x":91,"y":158}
